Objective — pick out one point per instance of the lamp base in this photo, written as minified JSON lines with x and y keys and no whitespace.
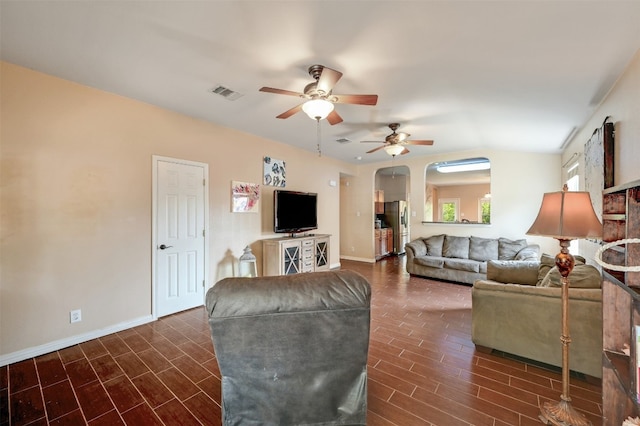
{"x":562,"y":414}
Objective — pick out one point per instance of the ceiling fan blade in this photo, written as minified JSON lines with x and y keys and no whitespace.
{"x":404,"y":151}
{"x":328,"y":79}
{"x":334,"y":118}
{"x":418,"y":142}
{"x":376,"y":149}
{"x":281,"y":92}
{"x":290,"y":112}
{"x":356,"y":99}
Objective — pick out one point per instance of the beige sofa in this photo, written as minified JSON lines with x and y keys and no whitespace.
{"x":517,"y":310}
{"x":463,"y":259}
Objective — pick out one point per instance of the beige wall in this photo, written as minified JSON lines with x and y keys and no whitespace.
{"x":469,"y":196}
{"x":622,"y":105}
{"x":518,"y":180}
{"x":75,"y":198}
{"x":76,"y":178}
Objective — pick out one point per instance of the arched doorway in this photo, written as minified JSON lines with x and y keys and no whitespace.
{"x":391,"y":210}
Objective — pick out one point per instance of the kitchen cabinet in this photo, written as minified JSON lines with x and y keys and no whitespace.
{"x":379,"y":201}
{"x":383,"y":242}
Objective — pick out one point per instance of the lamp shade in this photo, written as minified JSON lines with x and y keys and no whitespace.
{"x":566,"y":215}
{"x":394,"y":150}
{"x":317,"y":109}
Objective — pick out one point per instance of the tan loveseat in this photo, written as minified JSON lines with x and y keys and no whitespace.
{"x":517,"y":310}
{"x":463,"y":259}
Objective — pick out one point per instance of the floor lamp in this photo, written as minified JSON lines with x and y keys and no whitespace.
{"x":565,"y":216}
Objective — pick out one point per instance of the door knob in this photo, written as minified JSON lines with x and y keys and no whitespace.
{"x":162,"y":247}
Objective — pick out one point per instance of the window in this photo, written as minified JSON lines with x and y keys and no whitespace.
{"x":449,"y":209}
{"x":573,"y":184}
{"x":573,"y":179}
{"x":484,"y":209}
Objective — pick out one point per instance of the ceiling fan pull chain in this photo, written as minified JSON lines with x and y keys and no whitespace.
{"x":318,"y":136}
{"x":393,"y":168}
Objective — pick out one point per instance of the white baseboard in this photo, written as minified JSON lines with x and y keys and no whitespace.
{"x":70,"y":341}
{"x":358,"y":259}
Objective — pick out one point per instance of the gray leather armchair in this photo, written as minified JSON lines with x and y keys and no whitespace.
{"x":292,"y":350}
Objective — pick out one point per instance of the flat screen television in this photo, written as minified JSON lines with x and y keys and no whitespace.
{"x":294,"y":211}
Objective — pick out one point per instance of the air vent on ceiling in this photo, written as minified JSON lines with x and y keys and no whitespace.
{"x":226,"y":93}
{"x":343,"y":140}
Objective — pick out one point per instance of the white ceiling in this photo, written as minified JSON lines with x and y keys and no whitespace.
{"x":517,"y":75}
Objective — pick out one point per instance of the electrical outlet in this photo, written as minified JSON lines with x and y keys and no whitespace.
{"x":75,"y":316}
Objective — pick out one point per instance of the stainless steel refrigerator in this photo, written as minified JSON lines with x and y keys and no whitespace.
{"x":396,"y":216}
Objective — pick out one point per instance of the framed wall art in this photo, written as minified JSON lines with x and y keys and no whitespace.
{"x":598,"y":164}
{"x":245,"y":197}
{"x":274,"y":172}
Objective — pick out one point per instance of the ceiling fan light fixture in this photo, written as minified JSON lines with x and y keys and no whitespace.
{"x":394,"y":150}
{"x":317,"y":109}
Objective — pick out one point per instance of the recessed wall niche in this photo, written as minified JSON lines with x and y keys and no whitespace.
{"x":458,"y":191}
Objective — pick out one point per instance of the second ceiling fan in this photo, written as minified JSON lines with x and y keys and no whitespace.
{"x":319,"y":96}
{"x":395,"y":143}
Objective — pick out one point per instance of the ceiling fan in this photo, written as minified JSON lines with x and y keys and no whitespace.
{"x":320,"y":98}
{"x":395,"y":143}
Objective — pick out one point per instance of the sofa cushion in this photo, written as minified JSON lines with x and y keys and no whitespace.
{"x":508,"y":249}
{"x":419,"y":247}
{"x":483,"y":249}
{"x":482,"y":267}
{"x":531,"y":252}
{"x":455,"y":247}
{"x":431,"y":261}
{"x":582,"y":276}
{"x":513,"y":272}
{"x":462,"y":264}
{"x":434,"y":245}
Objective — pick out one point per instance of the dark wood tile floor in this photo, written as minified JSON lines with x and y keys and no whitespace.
{"x":423,"y":369}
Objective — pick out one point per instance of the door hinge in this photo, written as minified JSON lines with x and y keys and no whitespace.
{"x":202,"y":283}
{"x":204,"y":182}
{"x":203,"y":232}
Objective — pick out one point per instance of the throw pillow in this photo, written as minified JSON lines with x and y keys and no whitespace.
{"x":508,"y":272}
{"x":531,"y":252}
{"x":434,"y":245}
{"x":582,"y":276}
{"x":457,"y":247}
{"x":482,"y":249}
{"x":547,"y":262}
{"x":419,"y":247}
{"x":508,"y":249}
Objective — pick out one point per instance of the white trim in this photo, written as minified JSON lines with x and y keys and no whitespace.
{"x":70,"y":341}
{"x":154,"y":223}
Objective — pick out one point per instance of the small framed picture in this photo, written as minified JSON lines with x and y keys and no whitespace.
{"x":245,"y":197}
{"x":274,"y":172}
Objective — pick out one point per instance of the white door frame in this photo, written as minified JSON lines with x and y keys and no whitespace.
{"x":155,"y":159}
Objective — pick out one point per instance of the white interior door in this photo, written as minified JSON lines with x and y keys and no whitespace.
{"x":180,"y":236}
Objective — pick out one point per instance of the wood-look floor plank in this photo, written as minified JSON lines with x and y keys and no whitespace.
{"x":423,"y":369}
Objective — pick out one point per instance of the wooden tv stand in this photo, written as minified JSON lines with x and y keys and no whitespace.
{"x":293,"y":255}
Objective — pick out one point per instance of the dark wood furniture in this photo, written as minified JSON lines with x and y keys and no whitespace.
{"x":620,"y":304}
